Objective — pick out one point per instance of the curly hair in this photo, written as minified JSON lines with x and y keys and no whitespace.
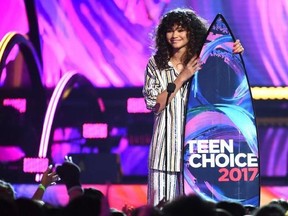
{"x":195,"y":26}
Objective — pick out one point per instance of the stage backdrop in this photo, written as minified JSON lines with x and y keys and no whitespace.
{"x":109,"y":41}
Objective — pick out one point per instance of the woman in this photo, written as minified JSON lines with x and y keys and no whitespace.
{"x":179,"y":39}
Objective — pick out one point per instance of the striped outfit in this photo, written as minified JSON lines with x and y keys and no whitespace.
{"x":156,"y":82}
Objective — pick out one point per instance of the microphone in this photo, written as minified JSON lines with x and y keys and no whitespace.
{"x":171,"y":87}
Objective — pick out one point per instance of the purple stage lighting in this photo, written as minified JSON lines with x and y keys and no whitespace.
{"x":95,"y":130}
{"x":35,"y":165}
{"x":136,"y":105}
{"x":17,"y":103}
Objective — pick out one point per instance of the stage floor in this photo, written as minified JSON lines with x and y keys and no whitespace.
{"x":122,"y":194}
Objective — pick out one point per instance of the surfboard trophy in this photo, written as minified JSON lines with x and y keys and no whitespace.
{"x":221,"y":161}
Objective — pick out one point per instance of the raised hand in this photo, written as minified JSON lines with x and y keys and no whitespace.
{"x":69,"y":173}
{"x":49,"y":177}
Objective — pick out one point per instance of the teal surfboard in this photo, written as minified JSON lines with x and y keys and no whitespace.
{"x":221,"y":160}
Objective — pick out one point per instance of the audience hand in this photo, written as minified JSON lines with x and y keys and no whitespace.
{"x":49,"y":177}
{"x":128,"y":209}
{"x":69,"y":173}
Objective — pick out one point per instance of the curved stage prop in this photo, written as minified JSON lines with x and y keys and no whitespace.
{"x":221,"y":159}
{"x":26,"y":63}
{"x":8,"y":42}
{"x":62,"y":90}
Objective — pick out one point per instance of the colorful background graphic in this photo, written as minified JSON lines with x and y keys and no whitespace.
{"x":109,"y":41}
{"x":103,"y":46}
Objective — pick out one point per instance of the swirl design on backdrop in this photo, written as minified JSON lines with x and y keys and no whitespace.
{"x":108,"y":41}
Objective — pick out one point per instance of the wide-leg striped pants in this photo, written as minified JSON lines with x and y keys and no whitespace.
{"x":156,"y":186}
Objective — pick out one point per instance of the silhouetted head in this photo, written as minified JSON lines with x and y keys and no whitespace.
{"x":236,"y":209}
{"x":189,"y":205}
{"x":270,"y":210}
{"x":6,"y":190}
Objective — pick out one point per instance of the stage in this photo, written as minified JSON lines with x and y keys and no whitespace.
{"x":75,"y":88}
{"x":122,"y":194}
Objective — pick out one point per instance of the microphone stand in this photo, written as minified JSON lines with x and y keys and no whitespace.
{"x":170,"y":89}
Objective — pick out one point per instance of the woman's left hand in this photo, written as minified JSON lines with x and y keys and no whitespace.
{"x":237,"y":47}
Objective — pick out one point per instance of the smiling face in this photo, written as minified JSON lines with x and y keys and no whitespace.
{"x":177,"y":37}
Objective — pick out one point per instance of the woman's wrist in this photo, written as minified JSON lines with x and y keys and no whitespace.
{"x":179,"y":81}
{"x":42,"y":187}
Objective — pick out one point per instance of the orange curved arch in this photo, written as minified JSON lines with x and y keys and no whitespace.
{"x":37,"y":95}
{"x":31,"y":58}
